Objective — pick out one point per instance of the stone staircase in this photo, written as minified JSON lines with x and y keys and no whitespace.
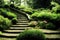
{"x":14,"y":30}
{"x":22,"y":24}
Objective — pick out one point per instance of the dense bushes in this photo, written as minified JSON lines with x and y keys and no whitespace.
{"x":7,"y":18}
{"x":49,"y":17}
{"x":46,"y":16}
{"x":31,"y":34}
{"x":14,"y":20}
{"x":5,"y":23}
{"x":7,"y":14}
{"x":46,"y":25}
{"x":26,"y":9}
{"x":55,"y":7}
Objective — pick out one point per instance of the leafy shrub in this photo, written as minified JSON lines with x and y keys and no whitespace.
{"x":14,"y":21}
{"x":11,"y":15}
{"x":5,"y":23}
{"x":48,"y":16}
{"x":42,"y":24}
{"x":56,"y":7}
{"x":3,"y":13}
{"x":8,"y":14}
{"x":31,"y":34}
{"x":26,"y":9}
{"x":50,"y":26}
{"x":47,"y":25}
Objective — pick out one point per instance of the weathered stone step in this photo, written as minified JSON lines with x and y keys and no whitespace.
{"x":22,"y":19}
{"x":52,"y":36}
{"x":48,"y":36}
{"x":19,"y":28}
{"x":19,"y":15}
{"x":19,"y":25}
{"x":13,"y":31}
{"x":44,"y":31}
{"x":9,"y":35}
{"x":50,"y":31}
{"x":22,"y":23}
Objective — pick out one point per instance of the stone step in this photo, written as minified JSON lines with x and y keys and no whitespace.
{"x":19,"y":25}
{"x":22,"y":19}
{"x":52,"y":36}
{"x":20,"y":15}
{"x":22,"y":23}
{"x":48,"y":36}
{"x":9,"y":35}
{"x":46,"y":31}
{"x":13,"y":31}
{"x":19,"y":28}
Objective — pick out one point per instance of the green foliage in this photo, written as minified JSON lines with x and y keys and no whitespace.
{"x":45,"y":15}
{"x":47,"y":25}
{"x":5,"y":23}
{"x":56,"y":7}
{"x":7,"y":14}
{"x":14,"y":21}
{"x":26,"y":9}
{"x":48,"y":16}
{"x":11,"y":15}
{"x":31,"y":34}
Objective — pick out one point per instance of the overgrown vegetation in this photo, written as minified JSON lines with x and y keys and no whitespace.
{"x":6,"y":19}
{"x":31,"y":34}
{"x":48,"y":16}
{"x":40,"y":10}
{"x":5,"y":23}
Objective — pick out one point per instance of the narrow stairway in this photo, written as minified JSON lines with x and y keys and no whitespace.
{"x":14,"y":30}
{"x":22,"y":24}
